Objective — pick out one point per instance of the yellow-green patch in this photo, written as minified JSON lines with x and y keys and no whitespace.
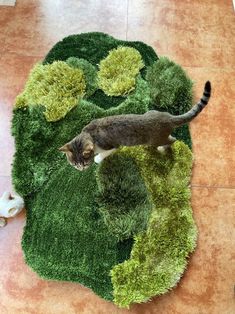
{"x":117,"y":72}
{"x":56,"y":86}
{"x":158,"y":256}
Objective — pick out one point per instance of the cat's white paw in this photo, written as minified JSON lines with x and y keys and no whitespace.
{"x":98,"y":159}
{"x":161,"y":149}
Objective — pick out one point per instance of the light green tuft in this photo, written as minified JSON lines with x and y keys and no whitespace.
{"x":117,"y":72}
{"x":90,"y":73}
{"x":56,"y":86}
{"x":158,"y":256}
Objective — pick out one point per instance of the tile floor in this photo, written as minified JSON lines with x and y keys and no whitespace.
{"x":199,"y":35}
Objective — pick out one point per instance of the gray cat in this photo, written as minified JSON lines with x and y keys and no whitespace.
{"x":101,"y":137}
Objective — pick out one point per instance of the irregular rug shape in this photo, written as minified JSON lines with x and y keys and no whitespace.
{"x":123,"y":228}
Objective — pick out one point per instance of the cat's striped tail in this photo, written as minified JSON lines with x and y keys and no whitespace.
{"x":196,"y":109}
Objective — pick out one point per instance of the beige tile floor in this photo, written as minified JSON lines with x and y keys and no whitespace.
{"x":199,"y":35}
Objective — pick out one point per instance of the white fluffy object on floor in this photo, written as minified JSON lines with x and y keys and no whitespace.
{"x":10,"y":206}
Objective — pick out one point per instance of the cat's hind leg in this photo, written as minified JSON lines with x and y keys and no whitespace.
{"x":171,"y":139}
{"x":101,"y":156}
{"x":164,"y":148}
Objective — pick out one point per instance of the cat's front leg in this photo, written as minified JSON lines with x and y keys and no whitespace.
{"x":101,"y":156}
{"x":98,"y":158}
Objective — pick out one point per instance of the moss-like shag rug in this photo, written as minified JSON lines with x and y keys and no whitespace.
{"x":123,"y":228}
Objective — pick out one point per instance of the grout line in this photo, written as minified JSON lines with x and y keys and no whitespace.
{"x":212,"y":187}
{"x":19,"y":54}
{"x":4,"y":50}
{"x":208,"y":67}
{"x":127,"y":20}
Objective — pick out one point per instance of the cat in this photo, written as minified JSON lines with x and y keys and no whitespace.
{"x":101,"y":137}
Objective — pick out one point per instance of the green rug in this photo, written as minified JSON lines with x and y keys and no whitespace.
{"x":123,"y":228}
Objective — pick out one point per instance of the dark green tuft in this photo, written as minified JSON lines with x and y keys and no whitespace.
{"x":90,"y":73}
{"x":171,"y":88}
{"x":124,"y":203}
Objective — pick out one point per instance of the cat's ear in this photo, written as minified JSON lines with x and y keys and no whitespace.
{"x":88,"y":149}
{"x":66,"y":148}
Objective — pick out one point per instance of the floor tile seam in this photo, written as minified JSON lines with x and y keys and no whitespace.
{"x":198,"y":186}
{"x":229,"y":69}
{"x":19,"y":54}
{"x":127,"y":18}
{"x":4,"y":47}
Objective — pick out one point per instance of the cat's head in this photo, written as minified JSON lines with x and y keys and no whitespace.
{"x":79,"y":153}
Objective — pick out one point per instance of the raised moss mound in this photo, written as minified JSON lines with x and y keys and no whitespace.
{"x":169,"y":84}
{"x":90,"y":74}
{"x":118,"y":71}
{"x":56,"y":86}
{"x":123,"y":204}
{"x":159,"y":253}
{"x":123,"y":228}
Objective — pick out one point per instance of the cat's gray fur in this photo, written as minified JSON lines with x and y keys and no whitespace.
{"x":103,"y":136}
